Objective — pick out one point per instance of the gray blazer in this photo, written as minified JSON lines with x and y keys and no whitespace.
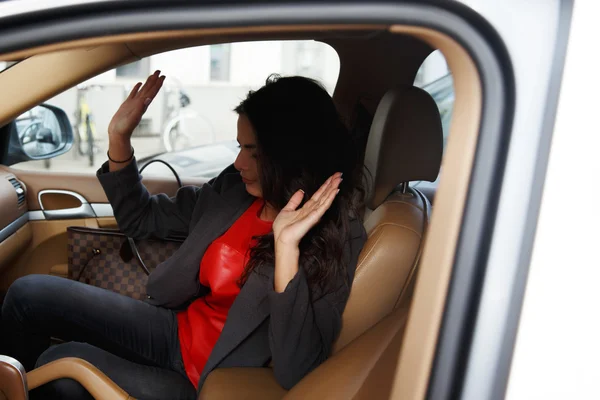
{"x":289,"y":328}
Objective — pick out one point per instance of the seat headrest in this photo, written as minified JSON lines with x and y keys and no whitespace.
{"x":405,"y":142}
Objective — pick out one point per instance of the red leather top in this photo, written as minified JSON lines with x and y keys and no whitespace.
{"x":220,"y":269}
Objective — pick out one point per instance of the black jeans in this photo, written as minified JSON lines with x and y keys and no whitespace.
{"x":132,"y":342}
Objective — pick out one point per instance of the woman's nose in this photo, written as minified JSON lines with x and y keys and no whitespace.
{"x":239,"y":162}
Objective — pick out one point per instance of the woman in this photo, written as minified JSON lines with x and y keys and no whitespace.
{"x":263,"y":276}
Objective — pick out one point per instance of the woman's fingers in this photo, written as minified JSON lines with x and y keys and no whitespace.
{"x":148,"y":85}
{"x":315,"y":197}
{"x":315,"y":210}
{"x":314,"y":215}
{"x":134,"y":91}
{"x":327,"y":199}
{"x":327,"y":185}
{"x":148,"y":91}
{"x":154,"y":90}
{"x":333,"y":187}
{"x":295,"y":201}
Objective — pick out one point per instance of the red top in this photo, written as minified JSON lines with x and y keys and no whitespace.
{"x":220,"y":269}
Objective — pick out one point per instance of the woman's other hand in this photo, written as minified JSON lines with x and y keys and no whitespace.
{"x":292,"y":223}
{"x":129,"y":115}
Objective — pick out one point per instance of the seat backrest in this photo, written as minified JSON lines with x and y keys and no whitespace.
{"x":363,"y":370}
{"x":405,"y":144}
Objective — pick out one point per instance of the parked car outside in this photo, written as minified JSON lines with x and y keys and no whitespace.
{"x":206,"y":161}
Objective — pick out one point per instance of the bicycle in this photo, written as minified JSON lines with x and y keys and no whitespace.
{"x":84,"y":122}
{"x":176,"y":134}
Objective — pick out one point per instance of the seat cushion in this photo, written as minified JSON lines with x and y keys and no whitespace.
{"x":241,"y":384}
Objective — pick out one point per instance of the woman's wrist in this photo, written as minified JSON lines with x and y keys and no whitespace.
{"x":286,"y":265}
{"x":119,"y":149}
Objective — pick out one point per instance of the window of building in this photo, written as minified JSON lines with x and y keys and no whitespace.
{"x":136,"y":70}
{"x":220,"y":58}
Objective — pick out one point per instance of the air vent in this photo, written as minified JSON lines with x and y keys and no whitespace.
{"x":19,"y":189}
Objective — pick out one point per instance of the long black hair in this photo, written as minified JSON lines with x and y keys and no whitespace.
{"x":301,"y":141}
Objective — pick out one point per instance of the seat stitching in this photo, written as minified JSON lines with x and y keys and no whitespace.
{"x":399,"y":226}
{"x":358,"y":268}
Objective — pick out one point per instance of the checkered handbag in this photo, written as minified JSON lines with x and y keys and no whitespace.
{"x":108,"y":259}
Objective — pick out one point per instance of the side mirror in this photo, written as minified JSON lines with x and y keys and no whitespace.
{"x":40,"y":133}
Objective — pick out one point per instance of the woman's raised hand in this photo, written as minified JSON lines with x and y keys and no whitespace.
{"x":292,"y":223}
{"x":129,"y":115}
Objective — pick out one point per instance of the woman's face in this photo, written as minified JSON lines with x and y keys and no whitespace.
{"x":246,"y":161}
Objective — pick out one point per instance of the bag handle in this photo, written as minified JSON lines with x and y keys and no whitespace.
{"x":95,"y":252}
{"x":136,"y":253}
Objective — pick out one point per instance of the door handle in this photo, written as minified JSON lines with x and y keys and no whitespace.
{"x":85,"y":210}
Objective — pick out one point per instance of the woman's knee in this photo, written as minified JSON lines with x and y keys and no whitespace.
{"x":26,"y":292}
{"x":69,"y":349}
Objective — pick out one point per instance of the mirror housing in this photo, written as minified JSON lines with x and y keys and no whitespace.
{"x":40,"y":133}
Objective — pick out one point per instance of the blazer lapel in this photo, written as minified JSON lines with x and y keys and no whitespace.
{"x":225,"y":209}
{"x":247,"y":312}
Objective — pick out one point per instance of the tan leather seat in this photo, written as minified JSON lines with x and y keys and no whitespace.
{"x":405,"y":144}
{"x":13,"y":381}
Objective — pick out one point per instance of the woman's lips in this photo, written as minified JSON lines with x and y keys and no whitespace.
{"x":246,"y":181}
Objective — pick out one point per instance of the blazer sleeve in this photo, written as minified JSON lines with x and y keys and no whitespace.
{"x":301,"y":331}
{"x":139,"y":214}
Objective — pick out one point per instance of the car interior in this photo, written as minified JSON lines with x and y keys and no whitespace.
{"x":391,"y":322}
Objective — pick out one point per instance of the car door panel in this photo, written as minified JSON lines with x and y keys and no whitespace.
{"x":54,"y":201}
{"x":86,"y":185}
{"x":14,"y":245}
{"x":15,"y":234}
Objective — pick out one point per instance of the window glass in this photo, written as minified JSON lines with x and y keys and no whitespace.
{"x":433,"y":68}
{"x":435,"y":78}
{"x":6,"y":64}
{"x":191,"y":123}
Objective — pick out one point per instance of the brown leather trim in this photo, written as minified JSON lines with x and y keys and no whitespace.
{"x":69,"y":67}
{"x":343,"y":375}
{"x":107,"y":222}
{"x":181,"y":38}
{"x":13,"y":381}
{"x":418,"y":347}
{"x":47,"y":247}
{"x":91,"y":378}
{"x":61,"y":270}
{"x":78,"y":60}
{"x":250,"y":384}
{"x":14,"y":245}
{"x":59,"y":201}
